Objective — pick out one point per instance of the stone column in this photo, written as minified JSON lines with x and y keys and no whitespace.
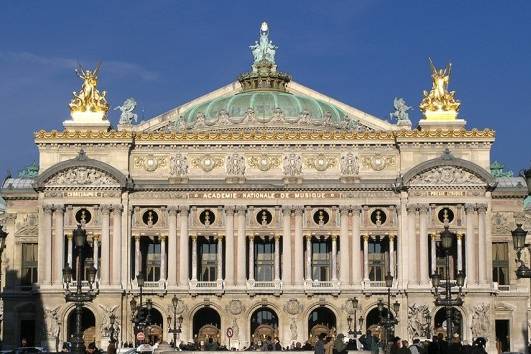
{"x":308,"y":258}
{"x":366,"y":258}
{"x":459,"y":252}
{"x":59,"y":240}
{"x":138,"y":259}
{"x":96,"y":252}
{"x":242,"y":259}
{"x":105,"y":251}
{"x":392,"y":255}
{"x":116,"y":244}
{"x":277,"y":258}
{"x":184,"y":239}
{"x":45,"y":250}
{"x":424,"y":261}
{"x":172,"y":246}
{"x":470,"y":247}
{"x":433,"y":253}
{"x":229,"y":245}
{"x":163,"y":258}
{"x":412,"y":241}
{"x":70,"y":249}
{"x":286,"y":245}
{"x":194,"y":260}
{"x":356,"y":246}
{"x":344,"y":240}
{"x":334,"y":258}
{"x":299,"y":247}
{"x":482,"y":246}
{"x":251,"y":258}
{"x":219,"y":260}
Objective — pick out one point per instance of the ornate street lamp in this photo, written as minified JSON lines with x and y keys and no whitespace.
{"x":177,"y":321}
{"x":79,"y":297}
{"x":352,"y":320}
{"x":445,"y":299}
{"x":387,"y":322}
{"x":3,"y":236}
{"x":523,"y":271}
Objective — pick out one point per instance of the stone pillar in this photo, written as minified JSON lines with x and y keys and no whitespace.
{"x":194,"y":258}
{"x":334,"y":258}
{"x":172,"y":246}
{"x":163,"y":258}
{"x":59,"y":240}
{"x":219,"y":260}
{"x":105,"y":251}
{"x":392,"y":255}
{"x":229,"y":245}
{"x":433,"y":253}
{"x":344,"y":240}
{"x":277,"y":258}
{"x":470,"y":247}
{"x":356,"y":246}
{"x":242,"y":259}
{"x":96,"y":252}
{"x":308,"y":258}
{"x":482,"y":246}
{"x":286,"y":245}
{"x":412,"y":241}
{"x":70,"y":249}
{"x":251,"y":258}
{"x":138,"y":259}
{"x":424,"y":261}
{"x":366,"y":258}
{"x":45,"y":240}
{"x":184,"y":239}
{"x":116,"y":244}
{"x":299,"y":247}
{"x":459,"y":252}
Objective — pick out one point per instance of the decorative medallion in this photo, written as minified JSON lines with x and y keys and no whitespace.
{"x":264,"y":162}
{"x":378,"y":162}
{"x":150,"y":162}
{"x":500,"y":224}
{"x":320,"y":162}
{"x":207,"y":162}
{"x":235,"y":307}
{"x":293,"y":307}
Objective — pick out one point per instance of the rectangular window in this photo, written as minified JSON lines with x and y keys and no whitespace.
{"x":321,"y":258}
{"x":208,"y":261}
{"x":29,"y":263}
{"x":264,"y":258}
{"x":500,"y":263}
{"x":377,"y":261}
{"x":153,"y":262}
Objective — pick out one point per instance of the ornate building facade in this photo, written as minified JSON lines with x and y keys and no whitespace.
{"x":266,"y":207}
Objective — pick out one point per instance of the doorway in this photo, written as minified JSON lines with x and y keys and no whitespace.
{"x":503,"y":338}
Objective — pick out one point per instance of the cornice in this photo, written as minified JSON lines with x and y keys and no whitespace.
{"x":85,"y":135}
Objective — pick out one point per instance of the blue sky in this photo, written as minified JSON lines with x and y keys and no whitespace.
{"x":364,"y":53}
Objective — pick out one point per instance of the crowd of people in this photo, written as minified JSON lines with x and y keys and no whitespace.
{"x":438,"y":345}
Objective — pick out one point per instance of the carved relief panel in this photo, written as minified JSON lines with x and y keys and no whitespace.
{"x":380,"y":218}
{"x":324,"y":219}
{"x":207,"y":218}
{"x":150,"y":219}
{"x":264,"y":218}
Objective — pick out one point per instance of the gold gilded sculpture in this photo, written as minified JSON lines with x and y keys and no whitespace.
{"x":439,"y":103}
{"x":89,"y":99}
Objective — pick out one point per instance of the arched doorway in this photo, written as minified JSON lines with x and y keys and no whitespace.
{"x":88,"y":325}
{"x":264,"y":323}
{"x":206,"y":324}
{"x":439,"y":322}
{"x":321,"y":321}
{"x":154,"y":329}
{"x":372,"y":322}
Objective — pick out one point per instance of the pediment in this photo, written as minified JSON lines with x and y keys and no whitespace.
{"x":28,"y":226}
{"x":446,"y":176}
{"x":82,"y":176}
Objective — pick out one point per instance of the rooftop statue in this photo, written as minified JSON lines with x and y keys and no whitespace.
{"x":89,"y":99}
{"x":264,"y":49}
{"x":127,"y":116}
{"x":439,"y":99}
{"x":401,"y":109}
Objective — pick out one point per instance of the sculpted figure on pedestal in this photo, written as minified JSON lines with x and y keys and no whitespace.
{"x":480,"y":321}
{"x":349,"y":165}
{"x":292,"y":165}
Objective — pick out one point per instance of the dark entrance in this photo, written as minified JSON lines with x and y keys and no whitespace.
{"x":88,"y":325}
{"x":440,"y":322}
{"x":154,"y":330}
{"x":373,"y":320}
{"x":27,"y":332}
{"x":206,"y":325}
{"x":264,"y":323}
{"x":321,"y":321}
{"x":503,"y":339}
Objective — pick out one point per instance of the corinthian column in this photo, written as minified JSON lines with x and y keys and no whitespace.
{"x":96,"y":251}
{"x":308,"y":258}
{"x":229,"y":245}
{"x":412,"y":241}
{"x":251,"y":259}
{"x":344,"y":245}
{"x":286,"y":243}
{"x":172,"y":246}
{"x":70,"y":249}
{"x":116,"y":244}
{"x":163,"y":257}
{"x":299,"y":246}
{"x":184,"y":239}
{"x":459,"y":252}
{"x":194,"y":258}
{"x":334,"y":258}
{"x":138,"y":255}
{"x":242,"y":259}
{"x":59,"y":239}
{"x":105,"y":251}
{"x":356,"y":246}
{"x":277,"y":258}
{"x":219,"y":260}
{"x":392,"y":255}
{"x":482,"y":247}
{"x":45,"y":250}
{"x":366,"y":258}
{"x":471,"y":262}
{"x":424,"y":262}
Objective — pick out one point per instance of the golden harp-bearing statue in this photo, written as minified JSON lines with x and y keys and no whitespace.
{"x":439,"y":103}
{"x":89,"y":99}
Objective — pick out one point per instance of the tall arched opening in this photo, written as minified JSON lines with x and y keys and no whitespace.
{"x":372,"y":322}
{"x":154,"y":329}
{"x":440,"y":322}
{"x":206,"y":325}
{"x":321,"y":321}
{"x":264,"y":323}
{"x":88,"y":325}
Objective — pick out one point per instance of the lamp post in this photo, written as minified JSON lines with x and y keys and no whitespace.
{"x":3,"y":236}
{"x":523,"y":271}
{"x":350,"y":320}
{"x":387,"y":322}
{"x":79,"y":297}
{"x":177,"y":321}
{"x":445,"y":299}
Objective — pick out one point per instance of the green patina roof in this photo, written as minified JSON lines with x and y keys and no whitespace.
{"x":264,"y":104}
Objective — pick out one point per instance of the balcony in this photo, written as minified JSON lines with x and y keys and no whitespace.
{"x":264,"y":287}
{"x":322,"y":286}
{"x":206,"y":287}
{"x":501,"y":287}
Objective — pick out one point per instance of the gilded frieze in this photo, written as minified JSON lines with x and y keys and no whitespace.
{"x":150,"y":162}
{"x":207,"y":162}
{"x":320,"y":162}
{"x":378,"y":162}
{"x":264,"y":162}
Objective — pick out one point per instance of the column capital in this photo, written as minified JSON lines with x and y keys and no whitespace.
{"x":334,"y":237}
{"x":423,"y":208}
{"x":482,"y":208}
{"x":365,"y":237}
{"x":183,"y":209}
{"x":392,"y":237}
{"x":163,"y":237}
{"x":469,"y":208}
{"x":356,"y":209}
{"x":117,"y":208}
{"x":219,"y":237}
{"x":136,"y":237}
{"x":229,"y":209}
{"x":69,"y":236}
{"x":47,"y":208}
{"x":308,"y":237}
{"x":298,"y":209}
{"x":193,"y":237}
{"x":459,"y":236}
{"x":172,"y":210}
{"x":104,"y":208}
{"x":411,"y":208}
{"x":241,"y":209}
{"x":344,"y":209}
{"x":286,"y":209}
{"x":276,"y":237}
{"x":59,"y":208}
{"x":96,"y":237}
{"x":250,"y":237}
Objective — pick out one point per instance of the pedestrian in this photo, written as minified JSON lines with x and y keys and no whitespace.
{"x":395,"y":346}
{"x":404,"y":348}
{"x":339,"y":344}
{"x":416,"y":347}
{"x":111,"y":348}
{"x":319,"y":345}
{"x":372,"y":343}
{"x":329,"y":345}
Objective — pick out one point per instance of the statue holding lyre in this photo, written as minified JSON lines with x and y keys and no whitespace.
{"x":89,"y":99}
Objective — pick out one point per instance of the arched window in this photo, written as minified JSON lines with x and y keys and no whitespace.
{"x":264,"y":322}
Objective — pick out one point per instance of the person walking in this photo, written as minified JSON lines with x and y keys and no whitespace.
{"x":319,"y":345}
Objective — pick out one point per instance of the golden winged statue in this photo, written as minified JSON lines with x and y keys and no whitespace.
{"x":439,"y":99}
{"x":89,"y":99}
